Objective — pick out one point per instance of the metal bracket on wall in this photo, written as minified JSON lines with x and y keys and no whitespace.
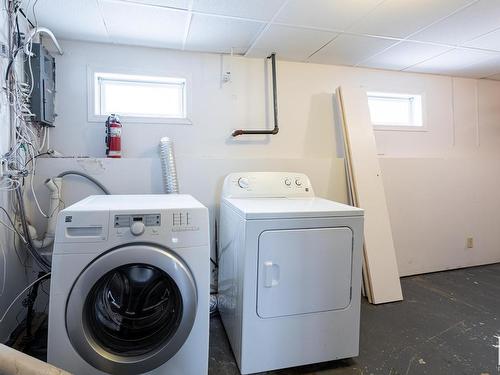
{"x":276,"y":129}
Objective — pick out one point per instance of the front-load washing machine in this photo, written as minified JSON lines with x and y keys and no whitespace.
{"x":289,"y":272}
{"x":130,"y":286}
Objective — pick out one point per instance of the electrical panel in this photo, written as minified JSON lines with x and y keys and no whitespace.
{"x":43,"y":67}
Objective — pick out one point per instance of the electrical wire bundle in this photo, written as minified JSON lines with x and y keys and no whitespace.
{"x":26,"y":142}
{"x":27,"y":139}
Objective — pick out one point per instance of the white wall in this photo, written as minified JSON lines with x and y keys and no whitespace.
{"x":206,"y":152}
{"x":13,"y":277}
{"x":441,"y":192}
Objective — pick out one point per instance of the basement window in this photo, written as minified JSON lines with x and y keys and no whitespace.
{"x":139,"y":98}
{"x":390,"y":111}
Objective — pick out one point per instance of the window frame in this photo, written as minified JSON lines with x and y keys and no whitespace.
{"x":93,"y":98}
{"x":399,"y":127}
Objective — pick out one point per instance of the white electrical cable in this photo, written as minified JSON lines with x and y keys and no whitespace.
{"x":44,"y":30}
{"x":21,"y":293}
{"x":43,"y":140}
{"x":33,"y":190}
{"x":12,"y":229}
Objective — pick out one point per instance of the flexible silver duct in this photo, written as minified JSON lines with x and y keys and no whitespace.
{"x":168,"y":166}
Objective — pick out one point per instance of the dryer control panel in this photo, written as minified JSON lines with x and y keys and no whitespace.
{"x":267,"y":185}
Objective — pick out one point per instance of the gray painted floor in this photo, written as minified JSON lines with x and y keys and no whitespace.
{"x":446,"y":325}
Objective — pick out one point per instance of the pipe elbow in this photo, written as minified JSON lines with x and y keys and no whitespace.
{"x":46,"y":241}
{"x":42,"y":30}
{"x":54,"y":184}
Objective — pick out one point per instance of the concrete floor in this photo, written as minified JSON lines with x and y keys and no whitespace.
{"x":446,"y":325}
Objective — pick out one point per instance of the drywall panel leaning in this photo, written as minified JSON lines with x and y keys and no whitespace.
{"x":366,"y":190}
{"x":343,"y":152}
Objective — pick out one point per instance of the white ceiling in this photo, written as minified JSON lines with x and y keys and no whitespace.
{"x":455,"y":37}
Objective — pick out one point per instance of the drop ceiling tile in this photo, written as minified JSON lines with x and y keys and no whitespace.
{"x":403,"y":55}
{"x":179,"y":4}
{"x":336,"y":15}
{"x":77,"y":19}
{"x":218,"y":34}
{"x":290,"y":43}
{"x":137,"y":24}
{"x":469,"y":23}
{"x":454,"y":62}
{"x":482,"y":69}
{"x":400,"y":18}
{"x":255,"y":9}
{"x":350,"y":49}
{"x":490,"y":41}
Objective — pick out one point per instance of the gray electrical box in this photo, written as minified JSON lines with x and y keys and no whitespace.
{"x":43,"y":66}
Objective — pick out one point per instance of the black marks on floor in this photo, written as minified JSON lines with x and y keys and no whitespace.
{"x":446,"y":325}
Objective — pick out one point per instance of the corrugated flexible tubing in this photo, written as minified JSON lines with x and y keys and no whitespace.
{"x":169,"y":170}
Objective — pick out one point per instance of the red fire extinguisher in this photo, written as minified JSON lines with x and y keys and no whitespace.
{"x":113,"y":137}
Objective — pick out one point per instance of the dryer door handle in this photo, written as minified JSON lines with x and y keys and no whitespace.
{"x":271,"y":274}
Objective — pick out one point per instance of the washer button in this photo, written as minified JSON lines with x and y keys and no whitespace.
{"x":288,"y":182}
{"x":298,"y":182}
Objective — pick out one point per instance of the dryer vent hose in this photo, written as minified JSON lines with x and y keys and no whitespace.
{"x":168,"y":166}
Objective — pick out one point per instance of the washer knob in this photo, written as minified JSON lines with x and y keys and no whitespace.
{"x":137,"y":228}
{"x":243,"y":183}
{"x":288,"y":182}
{"x":298,"y":182}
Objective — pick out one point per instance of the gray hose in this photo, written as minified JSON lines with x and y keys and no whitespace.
{"x":84,"y":175}
{"x":167,"y":158}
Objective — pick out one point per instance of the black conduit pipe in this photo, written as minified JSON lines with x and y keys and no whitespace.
{"x":276,"y":129}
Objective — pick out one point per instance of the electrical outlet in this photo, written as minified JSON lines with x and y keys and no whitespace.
{"x":470,"y":242}
{"x":226,"y":77}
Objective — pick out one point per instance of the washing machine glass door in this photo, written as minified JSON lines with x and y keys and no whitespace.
{"x":131,"y":309}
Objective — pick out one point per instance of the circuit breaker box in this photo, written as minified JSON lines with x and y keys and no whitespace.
{"x":43,"y":67}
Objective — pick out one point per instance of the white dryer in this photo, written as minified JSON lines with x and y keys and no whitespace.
{"x":130,"y":286}
{"x":289,"y":272}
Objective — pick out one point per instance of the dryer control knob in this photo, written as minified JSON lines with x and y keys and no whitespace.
{"x":243,"y":183}
{"x":137,"y":228}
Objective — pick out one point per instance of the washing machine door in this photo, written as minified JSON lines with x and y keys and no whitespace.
{"x":131,"y":309}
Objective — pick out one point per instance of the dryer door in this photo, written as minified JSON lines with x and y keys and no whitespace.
{"x":304,"y":271}
{"x":131,"y":309}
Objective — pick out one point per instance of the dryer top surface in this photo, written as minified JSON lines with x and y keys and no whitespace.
{"x":287,"y":208}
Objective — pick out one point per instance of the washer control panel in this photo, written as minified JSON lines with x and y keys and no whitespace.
{"x":128,"y":221}
{"x":173,"y":227}
{"x":267,"y":184}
